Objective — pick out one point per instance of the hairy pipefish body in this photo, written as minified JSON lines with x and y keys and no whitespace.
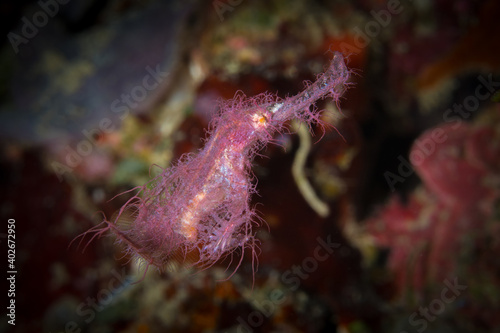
{"x":202,"y":204}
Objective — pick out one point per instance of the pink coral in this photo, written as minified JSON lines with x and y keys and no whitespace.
{"x":202,"y":204}
{"x":446,"y":221}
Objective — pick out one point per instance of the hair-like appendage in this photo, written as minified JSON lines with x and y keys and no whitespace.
{"x":202,"y":203}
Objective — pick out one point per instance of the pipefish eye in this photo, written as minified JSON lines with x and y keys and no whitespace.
{"x":259,"y":119}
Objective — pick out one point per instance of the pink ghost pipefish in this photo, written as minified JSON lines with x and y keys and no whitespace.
{"x":202,"y":203}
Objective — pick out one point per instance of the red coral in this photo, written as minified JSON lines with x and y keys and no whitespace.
{"x":448,"y":171}
{"x":445,"y":221}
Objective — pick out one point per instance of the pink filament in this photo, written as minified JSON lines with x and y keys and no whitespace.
{"x":202,"y":204}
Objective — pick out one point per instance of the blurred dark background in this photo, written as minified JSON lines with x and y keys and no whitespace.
{"x":95,"y":92}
